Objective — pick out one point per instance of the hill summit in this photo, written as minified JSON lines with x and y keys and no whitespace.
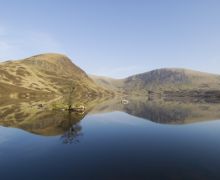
{"x":55,"y":74}
{"x":46,"y":73}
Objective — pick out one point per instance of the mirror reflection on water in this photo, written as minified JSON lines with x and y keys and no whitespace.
{"x":138,"y":139}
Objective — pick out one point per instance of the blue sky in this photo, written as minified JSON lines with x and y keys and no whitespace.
{"x":115,"y":37}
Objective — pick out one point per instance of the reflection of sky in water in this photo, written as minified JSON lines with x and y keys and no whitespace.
{"x":117,"y":143}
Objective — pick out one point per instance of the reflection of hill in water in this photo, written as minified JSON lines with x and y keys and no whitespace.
{"x":165,"y":112}
{"x":157,"y":113}
{"x":27,"y":114}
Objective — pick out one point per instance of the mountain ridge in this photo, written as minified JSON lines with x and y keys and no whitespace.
{"x":53,"y":73}
{"x":164,"y":79}
{"x":49,"y":73}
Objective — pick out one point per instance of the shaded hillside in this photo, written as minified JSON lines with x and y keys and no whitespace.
{"x":173,"y":79}
{"x":48,"y":74}
{"x":162,"y":80}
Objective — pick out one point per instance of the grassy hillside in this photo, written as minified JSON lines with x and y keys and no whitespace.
{"x":56,"y":75}
{"x":48,"y":74}
{"x":162,"y":80}
{"x":173,"y":79}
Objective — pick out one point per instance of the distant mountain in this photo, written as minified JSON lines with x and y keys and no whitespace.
{"x":46,"y":74}
{"x":115,"y":85}
{"x":163,"y":80}
{"x":56,"y":75}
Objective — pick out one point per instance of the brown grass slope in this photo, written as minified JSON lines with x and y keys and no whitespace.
{"x":46,"y":73}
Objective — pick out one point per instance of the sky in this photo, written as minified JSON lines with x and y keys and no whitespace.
{"x":115,"y":38}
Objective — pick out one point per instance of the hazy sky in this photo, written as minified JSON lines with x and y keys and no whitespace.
{"x":115,"y":37}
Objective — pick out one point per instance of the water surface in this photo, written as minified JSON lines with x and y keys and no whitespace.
{"x":140,"y":140}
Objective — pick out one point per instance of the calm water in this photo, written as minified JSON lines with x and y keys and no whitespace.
{"x":110,"y":143}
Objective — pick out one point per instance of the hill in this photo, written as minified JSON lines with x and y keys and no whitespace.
{"x":55,"y":75}
{"x":115,"y":85}
{"x":46,"y":75}
{"x":163,"y":80}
